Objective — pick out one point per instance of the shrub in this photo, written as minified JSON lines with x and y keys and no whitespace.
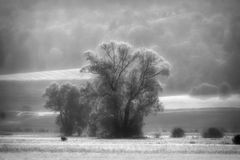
{"x":213,"y":133}
{"x":63,"y":138}
{"x":177,"y":133}
{"x":236,"y":139}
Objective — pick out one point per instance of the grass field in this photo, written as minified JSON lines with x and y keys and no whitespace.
{"x":50,"y":147}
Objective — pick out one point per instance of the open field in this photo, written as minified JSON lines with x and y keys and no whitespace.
{"x":50,"y":147}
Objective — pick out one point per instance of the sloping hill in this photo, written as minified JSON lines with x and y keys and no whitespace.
{"x":19,"y":90}
{"x":195,"y":119}
{"x":18,"y":121}
{"x":66,"y":74}
{"x":190,"y":120}
{"x":26,"y":89}
{"x":190,"y":102}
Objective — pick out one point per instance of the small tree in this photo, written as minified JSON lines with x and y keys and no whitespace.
{"x":65,"y":100}
{"x":126,"y":88}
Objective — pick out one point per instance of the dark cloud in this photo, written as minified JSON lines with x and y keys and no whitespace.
{"x":200,"y":38}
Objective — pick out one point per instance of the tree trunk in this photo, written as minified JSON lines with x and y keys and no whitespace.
{"x":126,"y":115}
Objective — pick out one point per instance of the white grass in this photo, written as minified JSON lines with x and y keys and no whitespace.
{"x":114,"y":156}
{"x":32,"y":147}
{"x":162,"y":145}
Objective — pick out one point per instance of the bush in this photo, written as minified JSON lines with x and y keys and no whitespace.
{"x":213,"y":133}
{"x":63,"y":138}
{"x":236,"y":139}
{"x":177,"y":133}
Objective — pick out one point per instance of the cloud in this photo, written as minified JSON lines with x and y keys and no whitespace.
{"x":204,"y":89}
{"x":200,"y":38}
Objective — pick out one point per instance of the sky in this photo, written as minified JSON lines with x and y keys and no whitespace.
{"x":200,"y":38}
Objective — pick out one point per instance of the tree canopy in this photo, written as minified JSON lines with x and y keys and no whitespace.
{"x":126,"y":88}
{"x":65,"y":100}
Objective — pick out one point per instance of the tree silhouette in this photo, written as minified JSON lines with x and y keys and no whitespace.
{"x":65,"y":100}
{"x":126,"y":88}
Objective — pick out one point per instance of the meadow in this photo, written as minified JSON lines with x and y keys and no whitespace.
{"x":44,"y":146}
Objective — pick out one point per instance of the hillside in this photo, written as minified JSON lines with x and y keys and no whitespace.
{"x":24,"y":91}
{"x":194,"y":119}
{"x":190,"y":120}
{"x":15,"y":95}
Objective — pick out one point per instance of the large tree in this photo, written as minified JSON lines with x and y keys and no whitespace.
{"x":65,"y":100}
{"x":125,"y":89}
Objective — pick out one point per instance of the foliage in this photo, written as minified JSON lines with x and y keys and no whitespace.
{"x":126,"y":88}
{"x":65,"y":100}
{"x":213,"y":133}
{"x":82,"y":113}
{"x":92,"y":125}
{"x":236,"y":139}
{"x":177,"y":133}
